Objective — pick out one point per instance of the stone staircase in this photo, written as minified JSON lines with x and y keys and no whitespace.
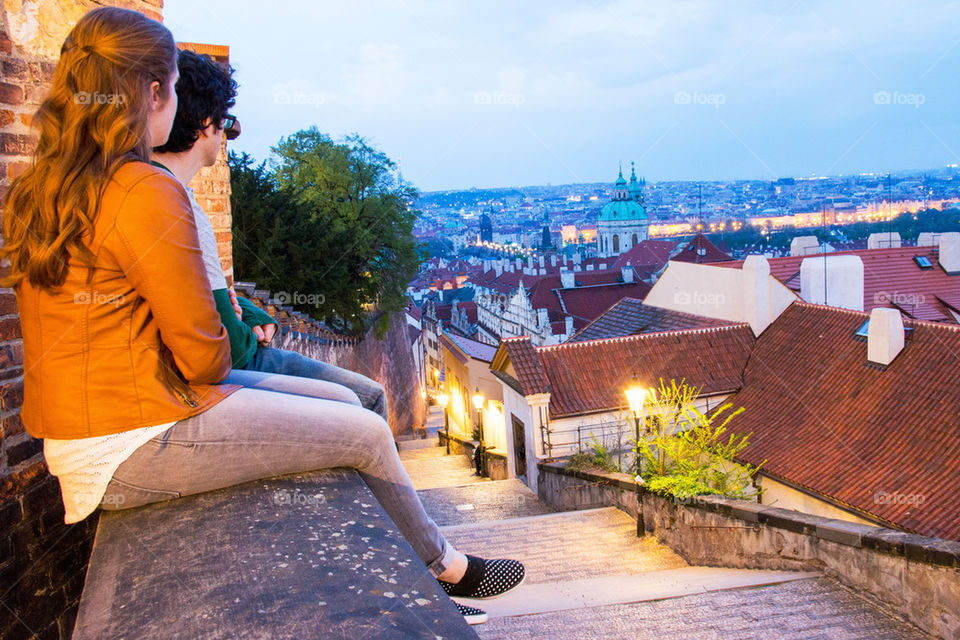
{"x":590,"y":576}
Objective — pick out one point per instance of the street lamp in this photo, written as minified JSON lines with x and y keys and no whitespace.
{"x":442,"y":400}
{"x":478,"y":403}
{"x":635,"y":398}
{"x":436,"y":377}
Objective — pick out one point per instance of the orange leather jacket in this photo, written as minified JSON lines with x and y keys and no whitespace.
{"x":92,"y":350}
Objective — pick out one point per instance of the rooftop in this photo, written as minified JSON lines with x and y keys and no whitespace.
{"x":884,"y":441}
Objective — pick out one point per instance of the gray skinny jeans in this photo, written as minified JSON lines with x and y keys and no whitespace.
{"x":277,"y":425}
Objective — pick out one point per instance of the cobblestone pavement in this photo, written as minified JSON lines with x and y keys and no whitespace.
{"x":482,"y":501}
{"x":568,"y":546}
{"x":815,"y":609}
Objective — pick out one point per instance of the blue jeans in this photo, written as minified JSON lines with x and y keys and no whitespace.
{"x":277,"y":425}
{"x":290,"y":363}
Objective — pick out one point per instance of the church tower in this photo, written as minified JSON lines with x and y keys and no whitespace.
{"x":623,"y":221}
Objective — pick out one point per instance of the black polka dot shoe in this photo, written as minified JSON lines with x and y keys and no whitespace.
{"x":471,"y":614}
{"x":486,"y":578}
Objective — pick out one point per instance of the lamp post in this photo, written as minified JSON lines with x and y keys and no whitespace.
{"x":478,"y":403}
{"x":635,"y":397}
{"x":436,"y":378}
{"x":442,"y":399}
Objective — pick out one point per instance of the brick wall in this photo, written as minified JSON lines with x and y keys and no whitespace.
{"x":42,"y":560}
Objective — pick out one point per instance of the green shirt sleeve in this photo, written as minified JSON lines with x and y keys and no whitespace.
{"x":243,"y":342}
{"x":254,"y":316}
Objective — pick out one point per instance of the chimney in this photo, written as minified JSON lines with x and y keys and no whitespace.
{"x":519,"y":263}
{"x":541,"y":262}
{"x":884,"y":335}
{"x":804,"y":245}
{"x":566,"y":279}
{"x":542,"y":318}
{"x":486,"y":265}
{"x":756,"y":286}
{"x":577,"y":258}
{"x":950,"y":252}
{"x":883,"y":240}
{"x":843,"y":281}
{"x":553,"y":259}
{"x":627,"y":273}
{"x":498,"y":267}
{"x":569,"y":325}
{"x":928,"y":239}
{"x":530,"y":261}
{"x":590,"y":267}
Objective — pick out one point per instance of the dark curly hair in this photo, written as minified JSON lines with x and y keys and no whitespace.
{"x":206,"y":89}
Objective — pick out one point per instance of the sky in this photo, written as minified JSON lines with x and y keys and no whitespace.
{"x":500,"y":94}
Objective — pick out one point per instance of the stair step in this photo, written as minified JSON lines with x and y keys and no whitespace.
{"x":481,"y":502}
{"x":419,"y":444}
{"x":545,"y":597}
{"x":428,"y":470}
{"x":573,"y":545}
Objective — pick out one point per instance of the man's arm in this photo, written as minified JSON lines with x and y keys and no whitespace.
{"x":261,"y":322}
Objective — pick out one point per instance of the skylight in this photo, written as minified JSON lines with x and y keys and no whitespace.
{"x":864,"y":330}
{"x":923,"y":262}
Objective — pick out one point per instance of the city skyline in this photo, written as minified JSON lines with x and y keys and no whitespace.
{"x":462,"y":96}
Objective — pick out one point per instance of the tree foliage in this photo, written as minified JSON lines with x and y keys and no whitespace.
{"x":328,"y":224}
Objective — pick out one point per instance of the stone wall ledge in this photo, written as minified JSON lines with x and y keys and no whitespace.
{"x":929,"y":550}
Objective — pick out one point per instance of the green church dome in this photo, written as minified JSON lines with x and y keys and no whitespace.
{"x":627,"y":204}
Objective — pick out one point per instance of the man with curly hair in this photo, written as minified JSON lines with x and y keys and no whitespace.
{"x":206,"y":91}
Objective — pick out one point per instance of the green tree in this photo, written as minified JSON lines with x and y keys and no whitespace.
{"x":329,"y":224}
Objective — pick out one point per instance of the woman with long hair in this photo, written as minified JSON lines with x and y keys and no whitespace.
{"x":124,"y":352}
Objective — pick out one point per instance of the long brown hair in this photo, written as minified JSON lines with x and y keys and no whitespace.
{"x":93,"y":121}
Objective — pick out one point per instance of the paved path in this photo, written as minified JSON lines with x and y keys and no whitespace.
{"x":589,"y":576}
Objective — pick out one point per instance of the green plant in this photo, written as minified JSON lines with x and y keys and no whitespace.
{"x":598,"y":456}
{"x":687,"y":452}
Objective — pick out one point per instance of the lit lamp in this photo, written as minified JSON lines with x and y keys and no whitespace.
{"x":478,"y":403}
{"x":636,"y":395}
{"x":442,"y":400}
{"x":436,"y":377}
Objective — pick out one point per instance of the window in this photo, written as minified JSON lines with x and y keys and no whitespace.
{"x":616,"y":243}
{"x":864,"y":330}
{"x":923,"y":262}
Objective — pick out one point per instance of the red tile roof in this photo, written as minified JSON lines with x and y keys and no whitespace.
{"x":891,"y":277}
{"x":648,"y":252}
{"x":587,"y":377}
{"x":630,"y":316}
{"x":585,"y":304}
{"x":882,"y":440}
{"x":701,"y":251}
